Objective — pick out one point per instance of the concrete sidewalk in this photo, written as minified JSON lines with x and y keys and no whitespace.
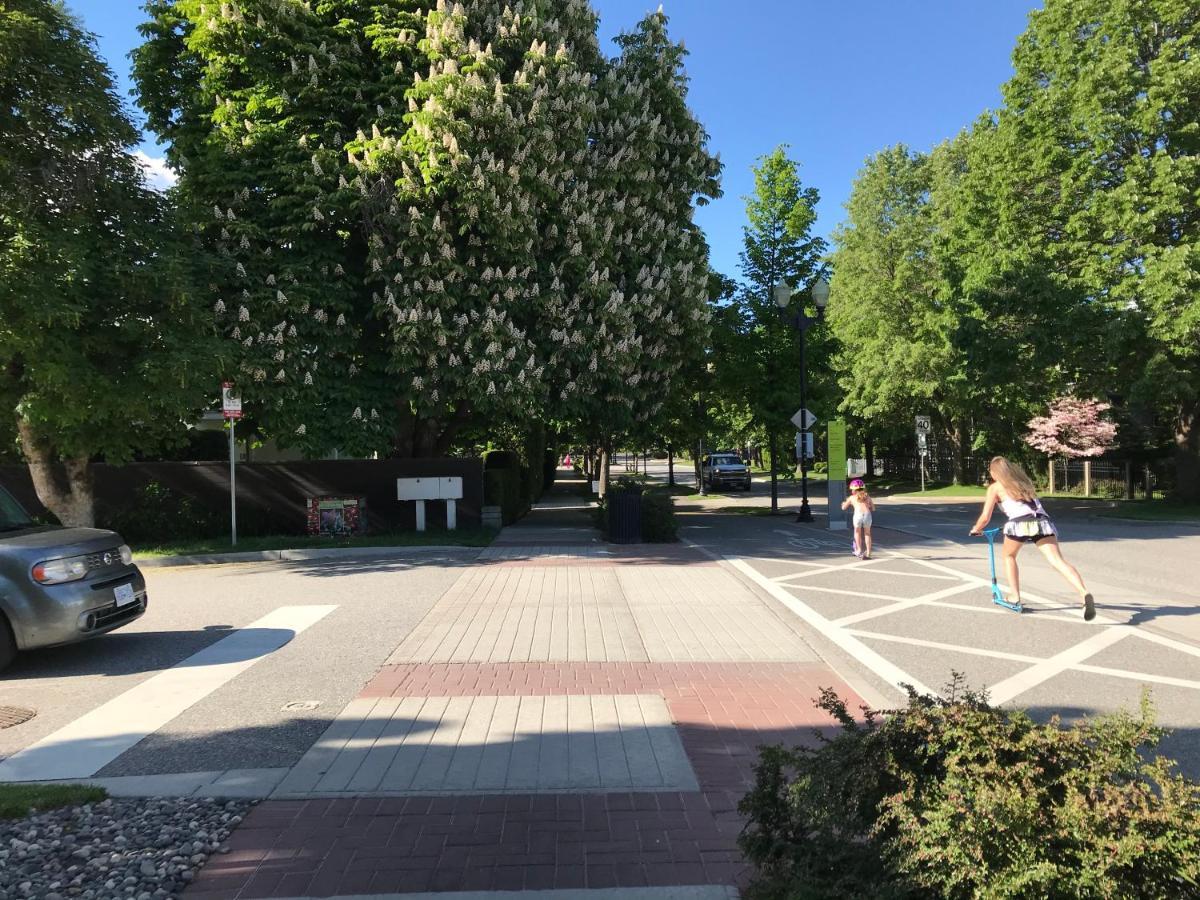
{"x":568,"y":716}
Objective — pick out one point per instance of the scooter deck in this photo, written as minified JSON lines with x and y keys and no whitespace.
{"x":998,"y":599}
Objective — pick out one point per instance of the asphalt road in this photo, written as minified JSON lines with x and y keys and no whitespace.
{"x":918,"y":613}
{"x":922,"y":609}
{"x":244,"y":722}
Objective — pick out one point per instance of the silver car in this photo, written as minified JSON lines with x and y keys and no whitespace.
{"x":61,"y":585}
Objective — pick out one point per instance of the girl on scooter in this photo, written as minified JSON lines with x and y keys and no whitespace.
{"x":1028,"y":523}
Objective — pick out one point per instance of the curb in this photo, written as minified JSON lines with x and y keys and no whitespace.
{"x":295,"y":555}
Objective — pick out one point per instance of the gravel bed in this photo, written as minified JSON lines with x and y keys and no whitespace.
{"x":144,"y":849}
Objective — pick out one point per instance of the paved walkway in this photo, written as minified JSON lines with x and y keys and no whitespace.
{"x":569,"y":715}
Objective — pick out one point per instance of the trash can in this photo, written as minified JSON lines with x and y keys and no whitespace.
{"x":625,"y":515}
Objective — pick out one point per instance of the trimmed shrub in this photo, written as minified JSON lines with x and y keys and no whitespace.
{"x":820,"y":468}
{"x":501,"y":459}
{"x":658,"y":517}
{"x":952,"y":798}
{"x":658,"y":511}
{"x":502,"y":487}
{"x":549,"y":468}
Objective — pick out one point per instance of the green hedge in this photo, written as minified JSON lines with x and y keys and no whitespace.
{"x":659,"y":525}
{"x":502,"y":487}
{"x":952,"y":798}
{"x":157,"y":513}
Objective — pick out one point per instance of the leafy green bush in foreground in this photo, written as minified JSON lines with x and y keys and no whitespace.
{"x":952,"y":798}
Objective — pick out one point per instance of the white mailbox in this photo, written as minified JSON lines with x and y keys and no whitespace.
{"x":432,"y":487}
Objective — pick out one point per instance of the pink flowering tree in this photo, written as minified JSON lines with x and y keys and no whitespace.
{"x":1073,"y":428}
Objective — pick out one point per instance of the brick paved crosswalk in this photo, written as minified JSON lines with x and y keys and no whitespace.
{"x":563,"y":718}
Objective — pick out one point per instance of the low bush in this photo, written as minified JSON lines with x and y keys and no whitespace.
{"x":156,"y":512}
{"x":952,"y":798}
{"x":820,"y":468}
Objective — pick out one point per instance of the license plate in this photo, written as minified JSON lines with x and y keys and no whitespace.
{"x":124,"y":594}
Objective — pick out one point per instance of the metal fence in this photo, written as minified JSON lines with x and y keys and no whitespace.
{"x":1108,"y":479}
{"x":1111,"y":479}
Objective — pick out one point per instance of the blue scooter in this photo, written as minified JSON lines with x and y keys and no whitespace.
{"x":997,"y":595}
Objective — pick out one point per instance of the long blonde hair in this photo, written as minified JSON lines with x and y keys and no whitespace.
{"x":1012,"y":478}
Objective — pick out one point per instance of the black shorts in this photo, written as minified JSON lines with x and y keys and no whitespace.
{"x":1031,"y":530}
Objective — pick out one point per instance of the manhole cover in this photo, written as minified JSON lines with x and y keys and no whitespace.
{"x":15,"y":715}
{"x":301,"y":705}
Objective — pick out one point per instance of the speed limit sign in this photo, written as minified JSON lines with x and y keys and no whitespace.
{"x":924,"y":426}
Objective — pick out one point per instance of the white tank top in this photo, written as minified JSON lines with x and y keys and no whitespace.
{"x":1016,"y":509}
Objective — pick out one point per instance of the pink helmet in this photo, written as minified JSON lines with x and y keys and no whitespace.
{"x":857,"y":485}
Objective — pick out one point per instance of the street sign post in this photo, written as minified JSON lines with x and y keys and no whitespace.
{"x":231,"y":409}
{"x":923,"y":426}
{"x":803,"y":419}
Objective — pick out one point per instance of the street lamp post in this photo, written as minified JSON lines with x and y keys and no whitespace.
{"x":802,"y":322}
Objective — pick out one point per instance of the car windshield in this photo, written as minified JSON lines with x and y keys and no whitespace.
{"x":12,"y":516}
{"x":726,"y":461}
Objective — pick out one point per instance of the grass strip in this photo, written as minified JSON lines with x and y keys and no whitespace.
{"x":477,"y":537}
{"x":20,"y":800}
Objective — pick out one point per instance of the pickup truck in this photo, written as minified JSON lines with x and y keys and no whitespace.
{"x":725,"y":470}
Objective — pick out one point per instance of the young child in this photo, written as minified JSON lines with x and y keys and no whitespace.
{"x":863,"y":507}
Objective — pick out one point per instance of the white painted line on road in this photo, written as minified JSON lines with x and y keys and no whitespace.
{"x":825,"y":590}
{"x":885,"y":669}
{"x":1017,"y":657}
{"x":87,"y":745}
{"x":1018,"y":684}
{"x":1139,"y":676}
{"x":938,"y":645}
{"x":927,"y":599}
{"x":1190,"y":649}
{"x":821,"y":570}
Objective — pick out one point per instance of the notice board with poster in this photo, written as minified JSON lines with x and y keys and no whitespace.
{"x":837,"y":450}
{"x":337,"y":516}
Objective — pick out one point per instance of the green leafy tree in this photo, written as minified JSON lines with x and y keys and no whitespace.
{"x":943,"y":307}
{"x":432,"y":215}
{"x":756,"y":350}
{"x":1101,"y":167}
{"x":896,"y":354}
{"x":102,"y":348}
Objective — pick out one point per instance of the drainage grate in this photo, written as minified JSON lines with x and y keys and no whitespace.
{"x":301,"y":705}
{"x":14,"y":715}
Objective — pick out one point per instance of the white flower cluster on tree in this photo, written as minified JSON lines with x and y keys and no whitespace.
{"x":470,"y":212}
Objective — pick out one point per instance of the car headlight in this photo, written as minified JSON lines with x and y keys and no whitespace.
{"x":58,"y":571}
{"x":126,"y":555}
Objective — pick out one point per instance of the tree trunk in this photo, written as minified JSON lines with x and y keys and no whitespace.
{"x":869,"y":453}
{"x":74,"y":506}
{"x":1187,"y":454}
{"x":671,"y":466}
{"x":462,"y":415}
{"x":774,"y":476}
{"x":605,"y":461}
{"x":962,"y":450}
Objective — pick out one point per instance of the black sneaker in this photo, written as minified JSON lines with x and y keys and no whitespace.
{"x":1089,"y":607}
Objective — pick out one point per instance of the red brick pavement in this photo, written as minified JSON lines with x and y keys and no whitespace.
{"x":514,"y":842}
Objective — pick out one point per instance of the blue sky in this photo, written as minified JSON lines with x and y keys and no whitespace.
{"x":835,"y":81}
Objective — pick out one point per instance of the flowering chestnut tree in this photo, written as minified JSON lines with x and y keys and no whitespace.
{"x":428,"y":214}
{"x":1073,"y":428}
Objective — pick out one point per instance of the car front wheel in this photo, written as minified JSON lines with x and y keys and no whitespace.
{"x":8,"y":644}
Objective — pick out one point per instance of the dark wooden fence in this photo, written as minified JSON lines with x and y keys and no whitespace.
{"x":272,"y":496}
